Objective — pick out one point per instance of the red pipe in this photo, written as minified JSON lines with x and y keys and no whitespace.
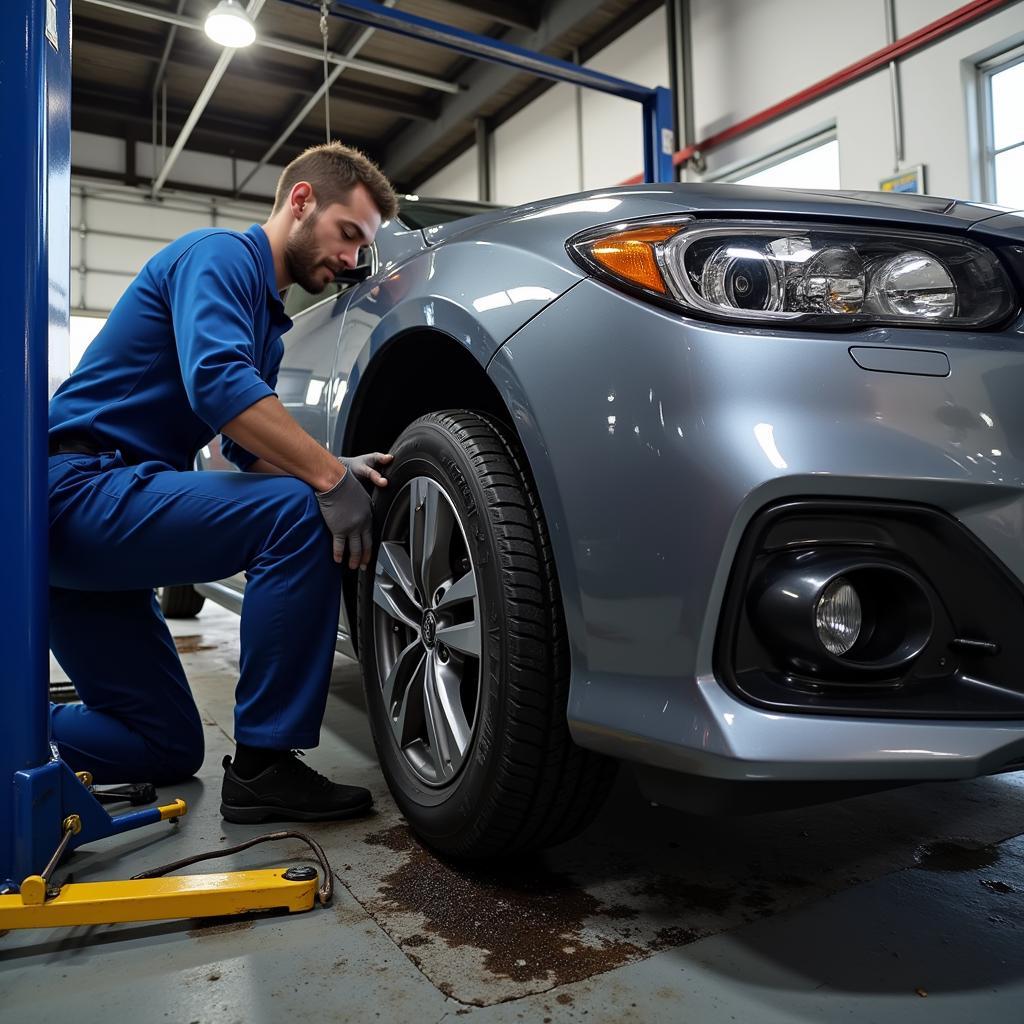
{"x":925,"y":36}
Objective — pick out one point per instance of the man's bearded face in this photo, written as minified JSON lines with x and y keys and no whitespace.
{"x":302,"y":260}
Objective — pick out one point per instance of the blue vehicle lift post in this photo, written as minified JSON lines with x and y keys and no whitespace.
{"x":41,"y":799}
{"x":659,"y":139}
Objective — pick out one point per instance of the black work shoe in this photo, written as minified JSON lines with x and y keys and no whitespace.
{"x":289,"y":791}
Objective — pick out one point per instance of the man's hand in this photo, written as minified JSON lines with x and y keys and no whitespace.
{"x":365,"y":466}
{"x":346,"y":510}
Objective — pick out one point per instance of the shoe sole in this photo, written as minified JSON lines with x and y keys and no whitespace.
{"x":257,"y":815}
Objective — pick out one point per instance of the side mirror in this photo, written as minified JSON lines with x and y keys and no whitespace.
{"x":353,"y":276}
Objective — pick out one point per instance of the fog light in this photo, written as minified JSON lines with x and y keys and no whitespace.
{"x":838,"y":617}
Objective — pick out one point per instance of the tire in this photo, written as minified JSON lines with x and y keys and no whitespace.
{"x":493,"y":770}
{"x":180,"y":602}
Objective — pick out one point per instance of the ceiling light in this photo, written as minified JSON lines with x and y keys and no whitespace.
{"x":229,"y":25}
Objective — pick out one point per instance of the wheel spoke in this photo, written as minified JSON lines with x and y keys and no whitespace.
{"x":417,"y":517}
{"x":438,"y":524}
{"x":463,"y":637}
{"x":397,"y":681}
{"x":463,"y":589}
{"x":407,"y":719}
{"x":449,"y":693}
{"x":393,"y":562}
{"x":433,"y":718}
{"x":386,"y":596}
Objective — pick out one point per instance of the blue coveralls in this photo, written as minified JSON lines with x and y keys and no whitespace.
{"x":193,"y":342}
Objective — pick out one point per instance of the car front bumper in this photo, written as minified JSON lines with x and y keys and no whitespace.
{"x":655,"y":440}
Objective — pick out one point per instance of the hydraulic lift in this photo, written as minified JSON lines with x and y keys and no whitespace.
{"x":46,"y":809}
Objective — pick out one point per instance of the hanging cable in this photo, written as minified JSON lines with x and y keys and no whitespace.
{"x":324,"y":8}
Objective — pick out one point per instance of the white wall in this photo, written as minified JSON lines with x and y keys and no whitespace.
{"x":114,"y":230}
{"x":535,"y":153}
{"x":612,"y":128}
{"x":747,"y":56}
{"x":456,"y":181}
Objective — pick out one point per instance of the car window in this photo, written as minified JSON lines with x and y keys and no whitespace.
{"x":297,"y":299}
{"x":426,"y":213}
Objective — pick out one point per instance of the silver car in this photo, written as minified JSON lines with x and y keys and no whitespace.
{"x":722,"y":482}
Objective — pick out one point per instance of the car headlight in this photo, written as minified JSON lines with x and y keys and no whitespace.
{"x":826,"y":276}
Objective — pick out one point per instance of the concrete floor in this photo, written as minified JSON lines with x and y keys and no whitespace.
{"x":901,"y":906}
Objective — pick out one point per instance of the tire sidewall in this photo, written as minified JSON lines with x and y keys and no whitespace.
{"x":428,"y":449}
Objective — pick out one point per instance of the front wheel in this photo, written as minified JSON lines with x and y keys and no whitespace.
{"x":463,"y":647}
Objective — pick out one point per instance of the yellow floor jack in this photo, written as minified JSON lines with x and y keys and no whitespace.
{"x":39,"y":903}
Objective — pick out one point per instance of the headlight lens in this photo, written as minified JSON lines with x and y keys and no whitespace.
{"x":802,"y":273}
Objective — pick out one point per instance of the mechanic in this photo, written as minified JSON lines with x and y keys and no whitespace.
{"x":192,"y":349}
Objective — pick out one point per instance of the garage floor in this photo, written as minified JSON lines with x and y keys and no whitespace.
{"x":902,"y":906}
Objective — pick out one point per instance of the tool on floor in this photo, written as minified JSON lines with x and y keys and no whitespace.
{"x":46,"y":810}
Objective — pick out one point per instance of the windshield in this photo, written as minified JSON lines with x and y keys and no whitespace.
{"x":426,"y":213}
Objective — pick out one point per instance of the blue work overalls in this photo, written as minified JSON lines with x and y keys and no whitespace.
{"x":193,"y":342}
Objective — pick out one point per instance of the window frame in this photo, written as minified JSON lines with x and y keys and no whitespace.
{"x":746,"y":167}
{"x":987,"y":70}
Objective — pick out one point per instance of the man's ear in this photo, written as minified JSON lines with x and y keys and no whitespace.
{"x":302,"y":200}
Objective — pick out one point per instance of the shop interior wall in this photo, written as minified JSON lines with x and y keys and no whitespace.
{"x":746,"y":57}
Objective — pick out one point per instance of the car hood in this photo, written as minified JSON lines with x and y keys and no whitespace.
{"x":577,"y":211}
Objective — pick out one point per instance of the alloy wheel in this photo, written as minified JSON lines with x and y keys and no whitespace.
{"x":426,"y":628}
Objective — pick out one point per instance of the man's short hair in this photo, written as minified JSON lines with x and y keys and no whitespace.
{"x":334,"y":170}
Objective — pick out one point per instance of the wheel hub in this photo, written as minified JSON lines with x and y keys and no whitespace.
{"x":428,"y":631}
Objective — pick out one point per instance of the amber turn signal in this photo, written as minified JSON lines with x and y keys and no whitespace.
{"x":631,"y":255}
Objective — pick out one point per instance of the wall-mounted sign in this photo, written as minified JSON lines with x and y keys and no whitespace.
{"x":907,"y":181}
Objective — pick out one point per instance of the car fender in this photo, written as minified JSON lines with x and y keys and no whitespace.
{"x":477,"y":293}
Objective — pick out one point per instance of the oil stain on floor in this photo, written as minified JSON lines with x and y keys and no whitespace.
{"x":640,"y":882}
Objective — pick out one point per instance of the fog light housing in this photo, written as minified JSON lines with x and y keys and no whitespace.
{"x":844,"y":618}
{"x":838,"y":617}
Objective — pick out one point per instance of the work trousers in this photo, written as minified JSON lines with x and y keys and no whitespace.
{"x":116,"y":532}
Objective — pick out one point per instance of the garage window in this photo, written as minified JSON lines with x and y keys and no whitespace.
{"x":1002,"y":92}
{"x":811,"y":164}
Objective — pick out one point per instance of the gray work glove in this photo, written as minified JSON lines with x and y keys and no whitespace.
{"x":365,"y":466}
{"x":346,"y":510}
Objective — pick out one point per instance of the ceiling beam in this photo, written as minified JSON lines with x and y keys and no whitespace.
{"x":202,"y":100}
{"x":283,"y":46}
{"x":189,"y":56}
{"x":524,"y":14}
{"x":103,"y":111}
{"x":483,"y":81}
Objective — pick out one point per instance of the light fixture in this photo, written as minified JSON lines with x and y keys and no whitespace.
{"x":229,"y":25}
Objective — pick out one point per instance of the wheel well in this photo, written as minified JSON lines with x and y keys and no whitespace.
{"x":419,"y":372}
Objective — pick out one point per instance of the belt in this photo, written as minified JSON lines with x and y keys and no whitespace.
{"x":72,"y":446}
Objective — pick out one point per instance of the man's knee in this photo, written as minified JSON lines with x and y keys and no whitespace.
{"x":298,"y":523}
{"x":179,"y":750}
{"x":179,"y":759}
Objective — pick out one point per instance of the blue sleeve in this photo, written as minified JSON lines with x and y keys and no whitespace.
{"x":235,"y":452}
{"x":212,"y":290}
